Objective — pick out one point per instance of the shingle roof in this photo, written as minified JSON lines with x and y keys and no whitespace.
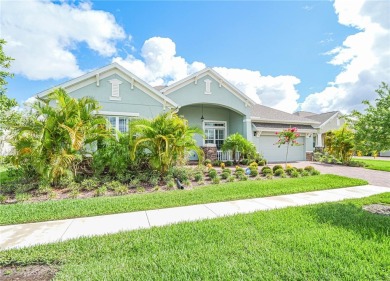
{"x":323,"y":117}
{"x":265,"y":113}
{"x":304,"y":113}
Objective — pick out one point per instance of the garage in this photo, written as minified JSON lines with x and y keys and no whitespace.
{"x":265,"y":145}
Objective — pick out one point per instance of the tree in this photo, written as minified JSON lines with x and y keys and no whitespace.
{"x":372,"y":129}
{"x":54,"y":139}
{"x":288,"y":137}
{"x":168,"y":138}
{"x":5,"y":63}
{"x":237,"y":143}
{"x":340,"y":144}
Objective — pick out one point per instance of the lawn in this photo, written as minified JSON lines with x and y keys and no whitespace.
{"x":382,"y":165}
{"x":71,"y":208}
{"x":332,"y":241}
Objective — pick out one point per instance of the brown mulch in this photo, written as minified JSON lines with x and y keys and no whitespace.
{"x":27,"y":273}
{"x":379,"y":209}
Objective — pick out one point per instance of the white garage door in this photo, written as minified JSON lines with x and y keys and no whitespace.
{"x":271,"y":152}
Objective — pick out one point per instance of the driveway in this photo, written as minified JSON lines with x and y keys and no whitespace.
{"x":379,"y":178}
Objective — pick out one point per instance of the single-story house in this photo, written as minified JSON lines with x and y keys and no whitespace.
{"x":206,"y":100}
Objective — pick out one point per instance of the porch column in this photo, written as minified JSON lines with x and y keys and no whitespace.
{"x":248,"y":128}
{"x":319,"y":140}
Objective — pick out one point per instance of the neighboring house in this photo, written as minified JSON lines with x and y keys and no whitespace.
{"x":206,"y":100}
{"x":328,"y":121}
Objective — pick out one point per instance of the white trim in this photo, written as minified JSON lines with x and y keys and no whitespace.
{"x":330,"y":118}
{"x":213,"y":74}
{"x":215,"y":121}
{"x":265,"y":120}
{"x":306,"y":131}
{"x":115,"y":113}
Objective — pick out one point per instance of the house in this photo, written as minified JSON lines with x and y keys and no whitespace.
{"x":206,"y":100}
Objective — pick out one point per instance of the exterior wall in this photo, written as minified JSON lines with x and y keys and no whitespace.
{"x":132,"y":100}
{"x":332,"y":124}
{"x":193,"y":114}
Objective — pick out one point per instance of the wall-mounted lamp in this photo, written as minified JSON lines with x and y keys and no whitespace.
{"x":202,"y":118}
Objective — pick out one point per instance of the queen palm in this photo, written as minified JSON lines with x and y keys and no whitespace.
{"x":56,"y":135}
{"x":167,"y":138}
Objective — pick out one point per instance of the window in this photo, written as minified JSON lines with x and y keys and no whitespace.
{"x":215,"y":132}
{"x":119,"y":123}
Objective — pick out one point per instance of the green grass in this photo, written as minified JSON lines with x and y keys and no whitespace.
{"x":381,"y":165}
{"x":71,"y":208}
{"x":333,"y":241}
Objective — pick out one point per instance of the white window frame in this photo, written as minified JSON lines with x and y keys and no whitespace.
{"x":117,"y":122}
{"x":214,"y":127}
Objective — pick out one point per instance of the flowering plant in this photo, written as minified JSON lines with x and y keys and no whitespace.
{"x":289,"y":137}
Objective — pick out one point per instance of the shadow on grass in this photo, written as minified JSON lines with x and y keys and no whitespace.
{"x":354,"y":218}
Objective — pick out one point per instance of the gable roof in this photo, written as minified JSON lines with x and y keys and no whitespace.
{"x":130,"y":77}
{"x":267,"y":114}
{"x":323,"y":117}
{"x":304,"y":113}
{"x":208,"y":71}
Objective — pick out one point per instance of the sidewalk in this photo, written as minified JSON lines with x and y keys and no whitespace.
{"x":24,"y":235}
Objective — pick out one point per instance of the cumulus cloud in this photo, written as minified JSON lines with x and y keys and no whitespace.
{"x":160,"y":65}
{"x":41,"y":35}
{"x":364,"y":57}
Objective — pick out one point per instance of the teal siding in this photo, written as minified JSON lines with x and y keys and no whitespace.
{"x":132,"y":100}
{"x":195,"y":94}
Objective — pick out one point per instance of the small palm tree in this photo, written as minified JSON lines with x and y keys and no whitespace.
{"x":237,"y":143}
{"x":168,"y":139}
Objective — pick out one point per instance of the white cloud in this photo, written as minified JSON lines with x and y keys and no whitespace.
{"x":364,"y":57}
{"x":41,"y":36}
{"x":160,"y":65}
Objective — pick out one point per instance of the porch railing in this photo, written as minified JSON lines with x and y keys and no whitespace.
{"x":227,"y":155}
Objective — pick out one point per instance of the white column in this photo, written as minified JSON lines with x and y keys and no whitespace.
{"x":248,"y":128}
{"x":319,"y":140}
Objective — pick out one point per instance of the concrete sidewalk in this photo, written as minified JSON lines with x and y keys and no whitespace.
{"x":24,"y":235}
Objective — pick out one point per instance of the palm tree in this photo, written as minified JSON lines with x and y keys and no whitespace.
{"x":55,"y":136}
{"x":167,"y":138}
{"x":235,"y":143}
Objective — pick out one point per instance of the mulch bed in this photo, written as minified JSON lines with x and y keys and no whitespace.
{"x":27,"y":273}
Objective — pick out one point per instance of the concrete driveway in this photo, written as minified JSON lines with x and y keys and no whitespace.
{"x":379,"y":178}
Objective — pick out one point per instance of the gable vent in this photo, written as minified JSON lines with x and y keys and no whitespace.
{"x":115,"y":93}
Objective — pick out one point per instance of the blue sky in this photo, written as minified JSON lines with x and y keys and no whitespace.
{"x":290,"y":55}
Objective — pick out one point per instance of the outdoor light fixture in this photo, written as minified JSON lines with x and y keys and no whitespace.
{"x":202,"y":118}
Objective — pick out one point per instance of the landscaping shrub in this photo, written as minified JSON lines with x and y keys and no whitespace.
{"x":289,"y":170}
{"x":227,"y":171}
{"x":170,"y":184}
{"x":244,"y":161}
{"x":89,"y":184}
{"x":207,"y":161}
{"x":225,"y":175}
{"x":135,"y":182}
{"x":212,"y":173}
{"x":231,"y":179}
{"x":182,"y":173}
{"x":229,"y":163}
{"x":101,"y":190}
{"x":294,"y":174}
{"x":261,"y":162}
{"x":277,"y":167}
{"x":267,"y":172}
{"x":112,"y":185}
{"x":305,"y":173}
{"x":315,"y":172}
{"x":243,"y":177}
{"x":222,"y":165}
{"x":239,"y":173}
{"x":269,"y":176}
{"x":265,"y":168}
{"x":74,"y":193}
{"x":216,"y":163}
{"x":238,"y":168}
{"x":300,"y":170}
{"x":279,"y":172}
{"x":253,"y":171}
{"x":309,"y":168}
{"x":140,"y":189}
{"x":21,"y":197}
{"x":121,"y":189}
{"x":198,"y":177}
{"x":216,"y":180}
{"x":253,"y":164}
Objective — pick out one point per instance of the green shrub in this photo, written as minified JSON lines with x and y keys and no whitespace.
{"x":294,"y":174}
{"x":269,"y":176}
{"x":253,"y":171}
{"x":227,"y":171}
{"x":121,"y":189}
{"x":140,"y":189}
{"x":243,"y":177}
{"x":309,"y":168}
{"x":74,"y":193}
{"x":305,"y":173}
{"x":231,"y":179}
{"x":239,"y":173}
{"x":182,"y":173}
{"x":64,"y":181}
{"x":277,"y":167}
{"x":89,"y":184}
{"x":225,"y":175}
{"x":207,"y":161}
{"x":51,"y":194}
{"x":253,"y":164}
{"x":212,"y":173}
{"x":279,"y":172}
{"x":216,"y":180}
{"x":289,"y":170}
{"x":315,"y":172}
{"x":244,"y":161}
{"x":101,"y":190}
{"x":238,"y":168}
{"x":300,"y":170}
{"x":229,"y":163}
{"x":170,"y":184}
{"x":265,"y":168}
{"x":198,"y":177}
{"x":43,"y":188}
{"x":21,"y":197}
{"x":261,"y":163}
{"x":112,"y":185}
{"x":266,"y":171}
{"x":216,"y":163}
{"x":135,"y":182}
